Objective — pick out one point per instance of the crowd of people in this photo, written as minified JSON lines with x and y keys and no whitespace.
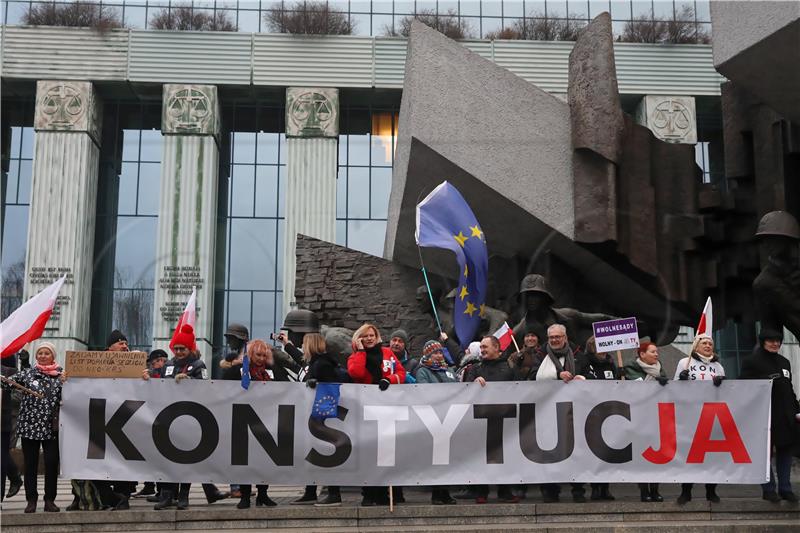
{"x":304,"y":356}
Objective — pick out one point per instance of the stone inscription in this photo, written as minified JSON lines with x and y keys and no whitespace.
{"x":178,"y":282}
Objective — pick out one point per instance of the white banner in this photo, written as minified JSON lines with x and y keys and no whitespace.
{"x":429,"y":434}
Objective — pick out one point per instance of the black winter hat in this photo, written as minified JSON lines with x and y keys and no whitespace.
{"x":114,"y":337}
{"x":769,"y":333}
{"x":155,"y":354}
{"x":401,"y":333}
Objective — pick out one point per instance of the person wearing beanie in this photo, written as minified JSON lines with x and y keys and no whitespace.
{"x":37,"y":424}
{"x":117,"y":342}
{"x":767,"y":363}
{"x":398,"y":344}
{"x":701,"y":365}
{"x":186,"y":364}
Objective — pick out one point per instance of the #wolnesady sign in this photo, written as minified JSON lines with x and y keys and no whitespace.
{"x":105,"y":364}
{"x":428,"y":434}
{"x":618,"y":334}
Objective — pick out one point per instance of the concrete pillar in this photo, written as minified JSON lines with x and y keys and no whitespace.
{"x":62,"y":213}
{"x":672,"y":119}
{"x":187,"y":217}
{"x":312,"y":131}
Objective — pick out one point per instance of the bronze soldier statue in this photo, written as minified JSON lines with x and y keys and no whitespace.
{"x":776,"y":289}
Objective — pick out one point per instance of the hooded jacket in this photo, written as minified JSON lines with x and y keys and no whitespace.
{"x":766,"y":365}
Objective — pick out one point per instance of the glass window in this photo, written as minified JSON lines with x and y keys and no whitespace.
{"x":381,"y":187}
{"x":513,"y":8}
{"x":556,"y":8}
{"x":253,"y":253}
{"x":469,"y":8}
{"x":366,"y":236}
{"x":491,"y":9}
{"x":128,"y":186}
{"x":620,"y":9}
{"x":642,"y":8}
{"x":663,"y":9}
{"x":702,"y":11}
{"x":267,"y":193}
{"x":152,"y":145}
{"x":596,"y":7}
{"x":490,"y":25}
{"x":242,"y":190}
{"x":382,"y":6}
{"x":15,"y":12}
{"x":382,"y":25}
{"x":403,"y":7}
{"x":358,"y":151}
{"x":132,"y":268}
{"x":249,"y":21}
{"x":361,"y":24}
{"x":134,"y":17}
{"x":243,"y":147}
{"x":578,"y":9}
{"x":448,"y":6}
{"x":358,"y":196}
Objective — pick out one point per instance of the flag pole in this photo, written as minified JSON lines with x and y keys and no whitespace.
{"x":428,"y":287}
{"x":514,"y":340}
{"x":24,"y":389}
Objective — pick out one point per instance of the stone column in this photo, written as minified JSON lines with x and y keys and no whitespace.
{"x":312,"y":131}
{"x":62,"y":213}
{"x":672,"y":119}
{"x":187,"y":217}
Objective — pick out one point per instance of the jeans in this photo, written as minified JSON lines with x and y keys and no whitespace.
{"x":783,"y":464}
{"x":30,"y":450}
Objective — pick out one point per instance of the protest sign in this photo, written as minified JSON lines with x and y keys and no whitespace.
{"x":105,"y":364}
{"x":618,"y":334}
{"x":423,"y":434}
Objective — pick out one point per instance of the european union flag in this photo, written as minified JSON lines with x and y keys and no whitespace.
{"x":326,"y":402}
{"x":245,"y":372}
{"x":444,"y":220}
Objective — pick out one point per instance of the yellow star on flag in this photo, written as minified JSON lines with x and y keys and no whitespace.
{"x":470,"y":310}
{"x":476,"y":231}
{"x":464,"y":292}
{"x":466,"y":271}
{"x":483,"y":311}
{"x":460,"y":238}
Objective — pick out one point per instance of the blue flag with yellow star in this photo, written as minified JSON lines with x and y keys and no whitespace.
{"x":326,"y":401}
{"x":444,"y":220}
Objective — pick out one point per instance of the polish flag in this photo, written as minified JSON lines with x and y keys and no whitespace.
{"x":706,"y":325}
{"x":27,"y":323}
{"x":189,"y":315}
{"x":505,"y":335}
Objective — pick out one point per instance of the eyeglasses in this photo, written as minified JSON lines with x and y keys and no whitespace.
{"x":556,"y":336}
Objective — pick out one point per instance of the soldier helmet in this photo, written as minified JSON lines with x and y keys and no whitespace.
{"x":301,"y":321}
{"x":238,"y":331}
{"x":780,"y":223}
{"x":535,"y":283}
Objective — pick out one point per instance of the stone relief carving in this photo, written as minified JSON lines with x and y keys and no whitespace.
{"x":67,"y":106}
{"x":312,"y":112}
{"x":670,"y":118}
{"x":190,"y":109}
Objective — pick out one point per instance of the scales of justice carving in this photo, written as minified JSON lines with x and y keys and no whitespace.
{"x":189,"y":110}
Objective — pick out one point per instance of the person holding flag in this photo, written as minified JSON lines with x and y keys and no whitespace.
{"x":445,"y":220}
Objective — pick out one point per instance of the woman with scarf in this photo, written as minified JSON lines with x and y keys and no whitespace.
{"x":372,"y":364}
{"x":593,"y":365}
{"x":767,"y":363}
{"x":263,"y":367}
{"x":557,"y":362}
{"x":702,"y":365}
{"x":37,"y":424}
{"x":647,"y":367}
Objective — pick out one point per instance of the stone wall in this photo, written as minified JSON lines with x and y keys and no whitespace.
{"x":347,"y":288}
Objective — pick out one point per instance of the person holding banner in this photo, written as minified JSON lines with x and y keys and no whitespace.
{"x":398,"y":343}
{"x":767,"y":363}
{"x":262,"y":368}
{"x":433,"y":366}
{"x":491,"y":368}
{"x":186,"y":364}
{"x":37,"y":423}
{"x":647,"y":367}
{"x":702,"y":365}
{"x":593,"y":365}
{"x":557,"y":361}
{"x":373,"y":364}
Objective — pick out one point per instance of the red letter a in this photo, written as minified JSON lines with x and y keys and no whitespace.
{"x":666,"y":426}
{"x":731,"y":443}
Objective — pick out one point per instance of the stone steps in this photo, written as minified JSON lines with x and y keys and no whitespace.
{"x":696,"y":516}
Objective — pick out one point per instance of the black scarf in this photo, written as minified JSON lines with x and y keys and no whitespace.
{"x":374,"y":362}
{"x":566,"y":353}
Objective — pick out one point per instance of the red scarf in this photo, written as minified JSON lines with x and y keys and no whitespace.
{"x":259,"y":373}
{"x":50,"y":370}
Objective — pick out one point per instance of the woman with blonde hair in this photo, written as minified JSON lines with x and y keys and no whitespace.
{"x":37,"y":423}
{"x":701,"y":365}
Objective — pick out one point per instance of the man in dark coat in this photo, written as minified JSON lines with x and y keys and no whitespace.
{"x":767,"y":363}
{"x":8,"y":466}
{"x":491,"y":368}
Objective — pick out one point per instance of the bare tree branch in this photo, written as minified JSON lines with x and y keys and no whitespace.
{"x":309,"y":17}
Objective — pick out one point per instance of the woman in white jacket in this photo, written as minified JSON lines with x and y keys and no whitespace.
{"x":701,"y":365}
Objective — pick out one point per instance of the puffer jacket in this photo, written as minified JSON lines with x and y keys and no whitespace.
{"x":370,"y":366}
{"x":191,"y":365}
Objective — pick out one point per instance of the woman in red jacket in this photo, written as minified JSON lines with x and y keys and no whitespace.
{"x":372,"y":364}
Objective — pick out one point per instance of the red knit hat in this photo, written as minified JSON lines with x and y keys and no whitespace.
{"x":184,"y":336}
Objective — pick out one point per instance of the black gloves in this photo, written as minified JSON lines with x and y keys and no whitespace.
{"x":717,"y":380}
{"x":311,"y":383}
{"x":383,"y":384}
{"x":662,"y":380}
{"x":684,"y":375}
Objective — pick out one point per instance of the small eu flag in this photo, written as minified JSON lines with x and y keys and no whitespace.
{"x":326,"y":403}
{"x":445,"y":220}
{"x":245,"y":372}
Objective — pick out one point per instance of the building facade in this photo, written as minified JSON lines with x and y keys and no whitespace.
{"x":143,"y":163}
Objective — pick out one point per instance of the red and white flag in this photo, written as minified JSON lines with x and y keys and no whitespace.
{"x":706,"y":325}
{"x":189,"y":315}
{"x":27,"y":323}
{"x":505,"y":335}
{"x":184,"y":332}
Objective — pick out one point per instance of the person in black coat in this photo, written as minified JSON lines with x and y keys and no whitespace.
{"x":767,"y":363}
{"x":7,"y":465}
{"x":593,"y":365}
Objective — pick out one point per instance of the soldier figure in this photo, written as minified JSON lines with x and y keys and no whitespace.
{"x":777,"y":288}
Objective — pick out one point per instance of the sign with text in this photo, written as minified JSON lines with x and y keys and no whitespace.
{"x":429,"y":434}
{"x":618,"y":334}
{"x":105,"y":364}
